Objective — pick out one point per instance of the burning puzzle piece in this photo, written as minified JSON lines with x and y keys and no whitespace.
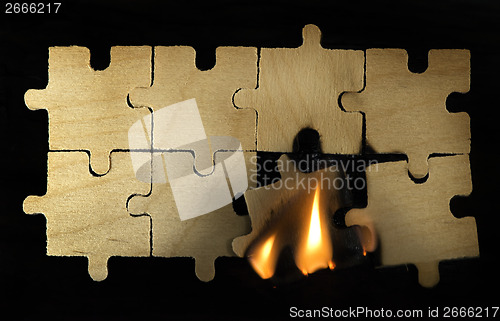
{"x":294,"y":211}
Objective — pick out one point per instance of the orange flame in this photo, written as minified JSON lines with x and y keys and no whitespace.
{"x":316,"y":253}
{"x":367,"y":237}
{"x":261,"y":259}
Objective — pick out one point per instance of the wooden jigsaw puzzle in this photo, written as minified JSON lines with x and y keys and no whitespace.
{"x":135,"y":147}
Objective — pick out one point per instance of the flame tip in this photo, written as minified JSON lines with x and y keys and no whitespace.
{"x":260,"y":258}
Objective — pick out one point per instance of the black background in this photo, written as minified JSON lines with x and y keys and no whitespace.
{"x":33,"y":285}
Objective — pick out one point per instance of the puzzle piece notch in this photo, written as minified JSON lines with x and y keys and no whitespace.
{"x":87,"y":215}
{"x":406,"y":112}
{"x":204,"y":237}
{"x":413,"y":221}
{"x":300,"y":88}
{"x":177,"y":81}
{"x":88,"y":109}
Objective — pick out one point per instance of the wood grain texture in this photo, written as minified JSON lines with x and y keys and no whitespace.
{"x":299,"y":88}
{"x":204,"y":237}
{"x":413,"y":222}
{"x":406,"y":112}
{"x":87,"y":215}
{"x":177,"y":79}
{"x":88,"y":109}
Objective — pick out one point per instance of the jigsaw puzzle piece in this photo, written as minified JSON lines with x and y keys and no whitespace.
{"x":88,"y":109}
{"x":299,"y":88}
{"x":190,"y":105}
{"x":406,"y":112}
{"x":192,"y":215}
{"x":87,"y":215}
{"x":412,"y":221}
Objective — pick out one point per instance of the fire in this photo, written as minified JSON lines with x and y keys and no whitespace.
{"x":261,"y":260}
{"x":312,"y":252}
{"x":367,"y":237}
{"x":317,"y":252}
{"x":314,"y":236}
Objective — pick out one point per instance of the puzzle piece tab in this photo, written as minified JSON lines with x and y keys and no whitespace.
{"x":406,"y":112}
{"x":87,"y":215}
{"x":299,"y":88}
{"x":170,"y":205}
{"x":413,"y":222}
{"x":88,"y":109}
